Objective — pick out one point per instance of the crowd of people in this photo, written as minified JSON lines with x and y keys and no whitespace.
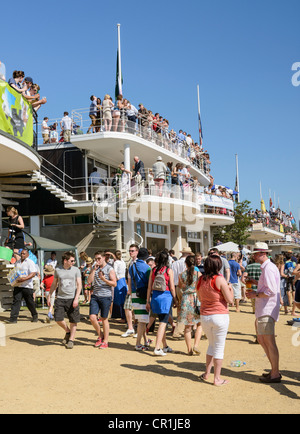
{"x":27,"y":88}
{"x":123,"y":116}
{"x":277,"y":219}
{"x":149,"y":288}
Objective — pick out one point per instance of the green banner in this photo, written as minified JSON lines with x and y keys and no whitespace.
{"x":15,"y":114}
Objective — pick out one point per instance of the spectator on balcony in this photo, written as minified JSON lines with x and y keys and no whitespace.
{"x":45,"y":130}
{"x":107,"y":109}
{"x":34,"y":97}
{"x":93,"y":114}
{"x":16,"y":81}
{"x":66,"y":126}
{"x":125,"y":181}
{"x":99,"y":116}
{"x":94,"y":181}
{"x":143,"y":118}
{"x":139,"y":169}
{"x":159,"y":170}
{"x":132,"y":114}
{"x":117,"y":113}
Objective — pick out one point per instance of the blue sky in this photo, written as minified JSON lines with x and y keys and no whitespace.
{"x":240,"y":52}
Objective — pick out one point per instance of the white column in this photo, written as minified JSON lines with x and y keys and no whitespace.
{"x":127,"y":156}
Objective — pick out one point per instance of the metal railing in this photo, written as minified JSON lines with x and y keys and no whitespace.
{"x":82,"y":123}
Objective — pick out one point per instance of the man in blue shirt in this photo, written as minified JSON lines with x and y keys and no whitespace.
{"x":138,"y":277}
{"x":235,"y":273}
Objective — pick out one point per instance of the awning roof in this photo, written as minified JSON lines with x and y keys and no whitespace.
{"x":49,"y":245}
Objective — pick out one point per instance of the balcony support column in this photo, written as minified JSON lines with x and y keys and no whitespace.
{"x":127,"y":156}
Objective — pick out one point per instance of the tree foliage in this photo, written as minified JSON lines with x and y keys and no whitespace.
{"x":238,"y":232}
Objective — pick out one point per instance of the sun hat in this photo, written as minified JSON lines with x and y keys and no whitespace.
{"x":89,"y":260}
{"x":159,"y":158}
{"x":187,"y":250}
{"x":260,"y":247}
{"x":48,"y":270}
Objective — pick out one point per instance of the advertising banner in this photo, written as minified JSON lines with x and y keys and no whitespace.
{"x":15,"y":114}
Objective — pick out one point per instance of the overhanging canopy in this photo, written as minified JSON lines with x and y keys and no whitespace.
{"x":49,"y":245}
{"x":228,"y":247}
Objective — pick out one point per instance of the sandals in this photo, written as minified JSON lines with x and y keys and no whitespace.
{"x":266,"y":378}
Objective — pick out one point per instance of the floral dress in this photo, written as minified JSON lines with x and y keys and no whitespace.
{"x":188,"y":315}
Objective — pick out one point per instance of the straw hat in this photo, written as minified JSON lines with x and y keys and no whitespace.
{"x":260,"y":247}
{"x":187,"y":250}
{"x":48,"y":270}
{"x":89,"y":260}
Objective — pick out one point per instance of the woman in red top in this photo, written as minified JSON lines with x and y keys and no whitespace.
{"x":214,"y":293}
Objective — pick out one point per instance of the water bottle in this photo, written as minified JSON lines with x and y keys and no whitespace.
{"x":237,"y":363}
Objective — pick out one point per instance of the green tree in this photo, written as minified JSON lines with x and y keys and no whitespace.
{"x":238,"y":232}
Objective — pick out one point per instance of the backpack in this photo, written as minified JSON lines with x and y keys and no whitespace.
{"x":159,"y":282}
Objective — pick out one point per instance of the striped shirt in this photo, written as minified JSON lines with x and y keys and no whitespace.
{"x":102,"y":289}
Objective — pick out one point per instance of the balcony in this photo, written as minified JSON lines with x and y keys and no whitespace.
{"x":108,"y":146}
{"x":265,"y":231}
{"x":16,"y":133}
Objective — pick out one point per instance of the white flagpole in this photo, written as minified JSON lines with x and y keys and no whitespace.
{"x":260,"y":190}
{"x":237,"y":177}
{"x":119,"y":60}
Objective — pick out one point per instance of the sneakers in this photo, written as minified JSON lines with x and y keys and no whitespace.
{"x":70,"y":345}
{"x":140,"y":348}
{"x":103,"y":346}
{"x":66,"y":339}
{"x":98,"y":343}
{"x":49,"y":317}
{"x":167,"y":350}
{"x":159,"y":352}
{"x":128,"y":333}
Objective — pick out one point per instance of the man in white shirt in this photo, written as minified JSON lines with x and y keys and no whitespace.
{"x":52,"y":261}
{"x":24,"y":288}
{"x":66,"y":126}
{"x":45,"y":131}
{"x":94,"y":181}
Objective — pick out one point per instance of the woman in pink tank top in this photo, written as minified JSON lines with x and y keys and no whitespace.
{"x":214,"y":293}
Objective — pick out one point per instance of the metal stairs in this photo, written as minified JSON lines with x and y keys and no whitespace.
{"x":38,"y":177}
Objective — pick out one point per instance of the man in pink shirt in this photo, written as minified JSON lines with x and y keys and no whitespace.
{"x":267,"y":306}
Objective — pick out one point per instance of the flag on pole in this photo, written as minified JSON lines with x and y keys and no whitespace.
{"x":262,"y":206}
{"x":119,"y":78}
{"x":199,"y":120}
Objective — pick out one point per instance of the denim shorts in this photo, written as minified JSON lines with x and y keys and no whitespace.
{"x":100,"y":304}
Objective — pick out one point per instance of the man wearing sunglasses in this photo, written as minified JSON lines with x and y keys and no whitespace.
{"x":67,"y":280}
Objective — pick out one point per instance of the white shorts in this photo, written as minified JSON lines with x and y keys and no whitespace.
{"x":236,"y":291}
{"x":215,"y":327}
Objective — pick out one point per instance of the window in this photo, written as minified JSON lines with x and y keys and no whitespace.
{"x":59,"y":220}
{"x":157,"y":229}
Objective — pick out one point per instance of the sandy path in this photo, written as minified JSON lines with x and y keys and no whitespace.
{"x":38,"y":375}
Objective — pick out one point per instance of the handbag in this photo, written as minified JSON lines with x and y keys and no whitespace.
{"x":197,"y":304}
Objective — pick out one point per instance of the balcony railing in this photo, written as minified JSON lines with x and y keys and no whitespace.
{"x":168,"y":140}
{"x":120,"y":190}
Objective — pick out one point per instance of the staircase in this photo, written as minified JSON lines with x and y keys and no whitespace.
{"x":38,"y":177}
{"x":6,"y":291}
